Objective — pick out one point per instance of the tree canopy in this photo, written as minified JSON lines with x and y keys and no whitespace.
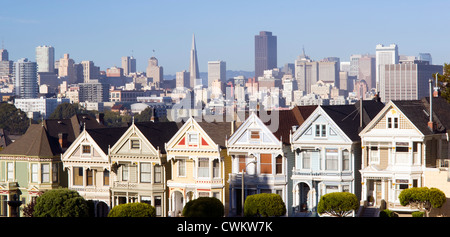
{"x":204,"y":207}
{"x":136,"y":209}
{"x":339,"y":204}
{"x":12,"y":119}
{"x":265,"y":205}
{"x":444,"y":82}
{"x":61,"y":202}
{"x":423,"y":198}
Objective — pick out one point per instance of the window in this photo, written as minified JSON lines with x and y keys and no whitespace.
{"x":321,"y":130}
{"x":158,"y":206}
{"x":345,"y":160}
{"x":34,"y":173}
{"x":241,"y":162}
{"x":45,"y":173}
{"x":146,"y":172}
{"x":392,"y":122}
{"x":89,"y":177}
{"x":86,"y":149}
{"x":216,"y":169}
{"x":55,"y":173}
{"x":134,"y":144}
{"x":181,"y":168}
{"x":158,"y":174}
{"x":279,"y":164}
{"x":331,"y":159}
{"x":254,"y":135}
{"x":106,"y":178}
{"x":306,"y":159}
{"x":374,"y":155}
{"x":193,"y":138}
{"x":77,"y":176}
{"x":125,"y":169}
{"x":10,"y":168}
{"x":389,"y":122}
{"x":266,"y":163}
{"x":203,"y":167}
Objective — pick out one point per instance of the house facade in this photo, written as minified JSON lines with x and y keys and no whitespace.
{"x":88,"y":166}
{"x":199,"y":163}
{"x":28,"y":167}
{"x":327,"y":151}
{"x":139,"y":165}
{"x":404,"y":147}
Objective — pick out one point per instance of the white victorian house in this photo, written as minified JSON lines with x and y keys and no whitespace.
{"x":89,"y":167}
{"x":263,"y":158}
{"x":327,"y":153}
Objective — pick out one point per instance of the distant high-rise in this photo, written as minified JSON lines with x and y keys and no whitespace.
{"x":385,"y":55}
{"x":425,"y":57}
{"x":25,"y":79}
{"x":4,"y":55}
{"x":66,"y":69}
{"x":90,"y":71}
{"x":182,"y":79}
{"x":217,"y":70}
{"x":193,"y":66}
{"x":265,"y":52}
{"x":45,"y":58}
{"x":154,"y":71}
{"x":128,"y":65}
{"x":366,"y":70}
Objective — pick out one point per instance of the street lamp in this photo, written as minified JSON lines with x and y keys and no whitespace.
{"x":243,"y":170}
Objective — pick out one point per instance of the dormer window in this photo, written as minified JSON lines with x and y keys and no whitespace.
{"x":254,"y":135}
{"x":135,"y":144}
{"x":392,"y":122}
{"x":193,"y":138}
{"x":321,"y":130}
{"x":86,"y":149}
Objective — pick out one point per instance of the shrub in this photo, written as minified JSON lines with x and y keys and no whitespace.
{"x":417,"y":214}
{"x":387,"y":213}
{"x":422,"y":197}
{"x":136,"y":209}
{"x":204,"y":207}
{"x":265,"y":205}
{"x":338,"y":204}
{"x":60,"y":203}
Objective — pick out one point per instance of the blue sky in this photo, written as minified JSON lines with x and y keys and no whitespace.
{"x":104,"y":31}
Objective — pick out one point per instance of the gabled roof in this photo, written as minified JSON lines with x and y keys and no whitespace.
{"x":158,"y":133}
{"x":217,"y":131}
{"x":36,"y":142}
{"x":288,"y":118}
{"x":106,"y":137}
{"x":347,"y":117}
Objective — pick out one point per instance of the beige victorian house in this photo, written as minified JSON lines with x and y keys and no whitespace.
{"x":199,"y":163}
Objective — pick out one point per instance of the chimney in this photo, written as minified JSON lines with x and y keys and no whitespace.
{"x":62,"y":137}
{"x":436,"y":88}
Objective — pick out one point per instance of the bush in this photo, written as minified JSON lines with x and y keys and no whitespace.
{"x":265,"y":205}
{"x":417,"y":214}
{"x":387,"y":213}
{"x":338,"y":204}
{"x":204,"y":207}
{"x":60,"y":203}
{"x":136,"y":209}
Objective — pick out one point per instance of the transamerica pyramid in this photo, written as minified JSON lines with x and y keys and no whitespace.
{"x":193,"y":67}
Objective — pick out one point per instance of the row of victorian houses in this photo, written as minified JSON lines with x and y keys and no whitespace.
{"x":371,"y":149}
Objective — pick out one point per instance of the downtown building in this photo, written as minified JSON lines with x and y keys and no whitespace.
{"x":25,"y":79}
{"x":265,"y":52}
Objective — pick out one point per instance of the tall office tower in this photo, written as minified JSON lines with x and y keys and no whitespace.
{"x":193,"y":66}
{"x":90,"y":71}
{"x":354,"y":65}
{"x":217,"y":70}
{"x":93,"y":92}
{"x":4,"y":55}
{"x":265,"y":52}
{"x":128,"y":65}
{"x":384,"y":55}
{"x":306,"y":72}
{"x":182,"y":79}
{"x":425,"y":57}
{"x":154,"y":71}
{"x":45,"y":58}
{"x":366,"y":70}
{"x":406,"y":81}
{"x":66,"y":69}
{"x":25,"y":79}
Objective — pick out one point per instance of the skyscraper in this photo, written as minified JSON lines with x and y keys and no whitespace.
{"x":217,"y":71}
{"x":66,"y":69}
{"x":25,"y":79}
{"x":384,"y":55}
{"x":154,"y":71}
{"x":4,"y":55}
{"x":90,"y":71}
{"x":265,"y":52}
{"x":128,"y":64}
{"x":193,"y":67}
{"x":45,"y":58}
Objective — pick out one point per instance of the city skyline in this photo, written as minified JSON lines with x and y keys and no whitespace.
{"x":103,"y":32}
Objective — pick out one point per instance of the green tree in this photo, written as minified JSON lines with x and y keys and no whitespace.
{"x":339,"y":204}
{"x":12,"y":119}
{"x":265,"y":205}
{"x":204,"y":207}
{"x":423,"y":198}
{"x":114,"y":119}
{"x":444,"y":82}
{"x":64,"y":111}
{"x":61,"y":202}
{"x":144,"y":116}
{"x":136,"y":209}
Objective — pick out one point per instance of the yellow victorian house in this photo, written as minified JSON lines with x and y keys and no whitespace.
{"x":200,"y":164}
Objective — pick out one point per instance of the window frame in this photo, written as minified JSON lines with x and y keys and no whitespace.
{"x":145,"y":172}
